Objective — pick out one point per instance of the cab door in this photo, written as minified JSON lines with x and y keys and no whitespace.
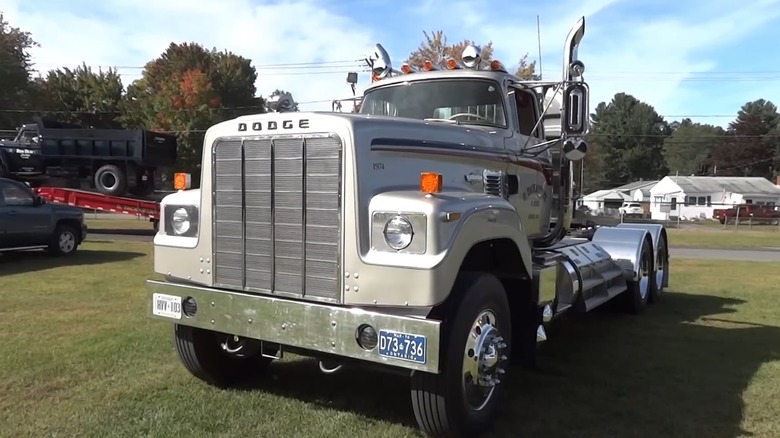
{"x":23,"y":222}
{"x":532,"y":198}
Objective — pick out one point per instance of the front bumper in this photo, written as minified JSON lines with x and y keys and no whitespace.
{"x":311,"y":326}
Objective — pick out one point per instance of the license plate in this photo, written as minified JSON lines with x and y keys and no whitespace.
{"x":404,"y":346}
{"x":168,"y":306}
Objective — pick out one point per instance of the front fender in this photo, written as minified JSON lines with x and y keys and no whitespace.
{"x":454,"y":223}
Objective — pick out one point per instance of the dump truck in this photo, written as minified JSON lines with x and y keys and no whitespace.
{"x":425,"y":234}
{"x":116,"y":162}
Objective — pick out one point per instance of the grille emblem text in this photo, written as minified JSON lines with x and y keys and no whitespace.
{"x":273,"y":125}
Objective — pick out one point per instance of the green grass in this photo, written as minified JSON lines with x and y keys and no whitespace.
{"x":719,"y":238}
{"x":118,"y":224}
{"x":78,"y":357}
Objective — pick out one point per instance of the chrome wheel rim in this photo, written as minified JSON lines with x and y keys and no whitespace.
{"x":644,"y":276}
{"x":67,"y":241}
{"x":660,"y":266}
{"x":483,"y":360}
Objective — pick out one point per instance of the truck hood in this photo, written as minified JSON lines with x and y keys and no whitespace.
{"x":379,"y":128}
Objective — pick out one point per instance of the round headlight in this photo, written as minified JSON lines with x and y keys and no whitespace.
{"x":398,"y":232}
{"x":180,"y":221}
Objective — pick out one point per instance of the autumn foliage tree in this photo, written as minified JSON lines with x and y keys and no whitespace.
{"x":436,"y":49}
{"x":188,"y":89}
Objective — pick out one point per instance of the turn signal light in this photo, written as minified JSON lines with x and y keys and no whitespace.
{"x":182,"y":181}
{"x":430,"y":182}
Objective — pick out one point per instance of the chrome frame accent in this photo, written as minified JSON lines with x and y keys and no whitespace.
{"x":316,"y":327}
{"x":340,"y":217}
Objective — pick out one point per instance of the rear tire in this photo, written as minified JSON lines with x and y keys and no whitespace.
{"x":660,"y":271}
{"x":64,"y":241}
{"x":202,"y":354}
{"x":637,"y":296}
{"x":476,"y":345}
{"x":111,"y":180}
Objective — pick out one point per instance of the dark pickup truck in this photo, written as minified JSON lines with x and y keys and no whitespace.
{"x":28,"y":222}
{"x":113,"y":161}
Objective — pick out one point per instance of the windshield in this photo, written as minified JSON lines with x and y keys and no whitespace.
{"x":468,"y":101}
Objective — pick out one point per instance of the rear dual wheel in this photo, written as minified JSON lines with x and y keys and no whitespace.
{"x":461,"y":401}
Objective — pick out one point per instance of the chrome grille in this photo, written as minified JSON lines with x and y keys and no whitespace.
{"x":277,"y":215}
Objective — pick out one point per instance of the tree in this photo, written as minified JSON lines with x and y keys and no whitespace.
{"x":188,"y":89}
{"x":82,"y":96}
{"x":436,"y":50}
{"x":689,"y":147}
{"x":15,"y":74}
{"x":627,"y":138}
{"x":749,"y":146}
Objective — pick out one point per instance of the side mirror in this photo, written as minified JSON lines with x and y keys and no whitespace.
{"x":40,"y":200}
{"x":576,"y":114}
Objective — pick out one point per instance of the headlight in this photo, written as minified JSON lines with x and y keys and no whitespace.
{"x":181,"y":220}
{"x":398,"y":232}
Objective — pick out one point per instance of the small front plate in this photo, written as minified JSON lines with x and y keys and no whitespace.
{"x":168,"y":306}
{"x":404,"y":346}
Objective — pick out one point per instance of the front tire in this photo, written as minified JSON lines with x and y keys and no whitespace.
{"x":217,"y":358}
{"x":64,"y":241}
{"x":477,"y":342}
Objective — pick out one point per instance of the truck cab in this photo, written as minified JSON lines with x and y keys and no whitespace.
{"x":425,"y":233}
{"x":21,"y":157}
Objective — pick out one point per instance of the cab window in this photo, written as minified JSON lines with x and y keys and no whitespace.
{"x":16,"y":196}
{"x":526,"y":112}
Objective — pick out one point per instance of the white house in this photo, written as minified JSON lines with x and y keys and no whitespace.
{"x":692,"y":197}
{"x":638,"y":190}
{"x":602,"y":201}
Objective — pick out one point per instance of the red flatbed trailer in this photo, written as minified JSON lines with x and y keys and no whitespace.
{"x":145,"y":208}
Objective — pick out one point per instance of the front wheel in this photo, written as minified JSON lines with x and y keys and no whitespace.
{"x":64,"y":241}
{"x":218,"y":359}
{"x":463,"y":398}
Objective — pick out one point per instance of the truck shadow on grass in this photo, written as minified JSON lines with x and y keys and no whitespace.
{"x":39,"y":260}
{"x":679,"y":370}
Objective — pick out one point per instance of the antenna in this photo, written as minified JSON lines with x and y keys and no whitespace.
{"x":539,"y":42}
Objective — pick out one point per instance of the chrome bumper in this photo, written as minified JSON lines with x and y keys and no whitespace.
{"x":311,"y":326}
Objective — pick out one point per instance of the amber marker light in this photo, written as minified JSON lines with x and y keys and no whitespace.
{"x":430,"y":182}
{"x":181,"y":181}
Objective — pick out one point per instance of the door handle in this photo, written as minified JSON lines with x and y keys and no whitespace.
{"x":12,"y":213}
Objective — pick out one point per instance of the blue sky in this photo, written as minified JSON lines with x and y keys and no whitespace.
{"x":686,"y":58}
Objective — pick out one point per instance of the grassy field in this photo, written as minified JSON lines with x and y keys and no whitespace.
{"x":719,"y":238}
{"x":118,"y":224}
{"x":78,"y":357}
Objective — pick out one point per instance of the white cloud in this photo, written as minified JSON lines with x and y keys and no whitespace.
{"x":617,"y":45}
{"x":137,"y":31}
{"x":616,"y":42}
